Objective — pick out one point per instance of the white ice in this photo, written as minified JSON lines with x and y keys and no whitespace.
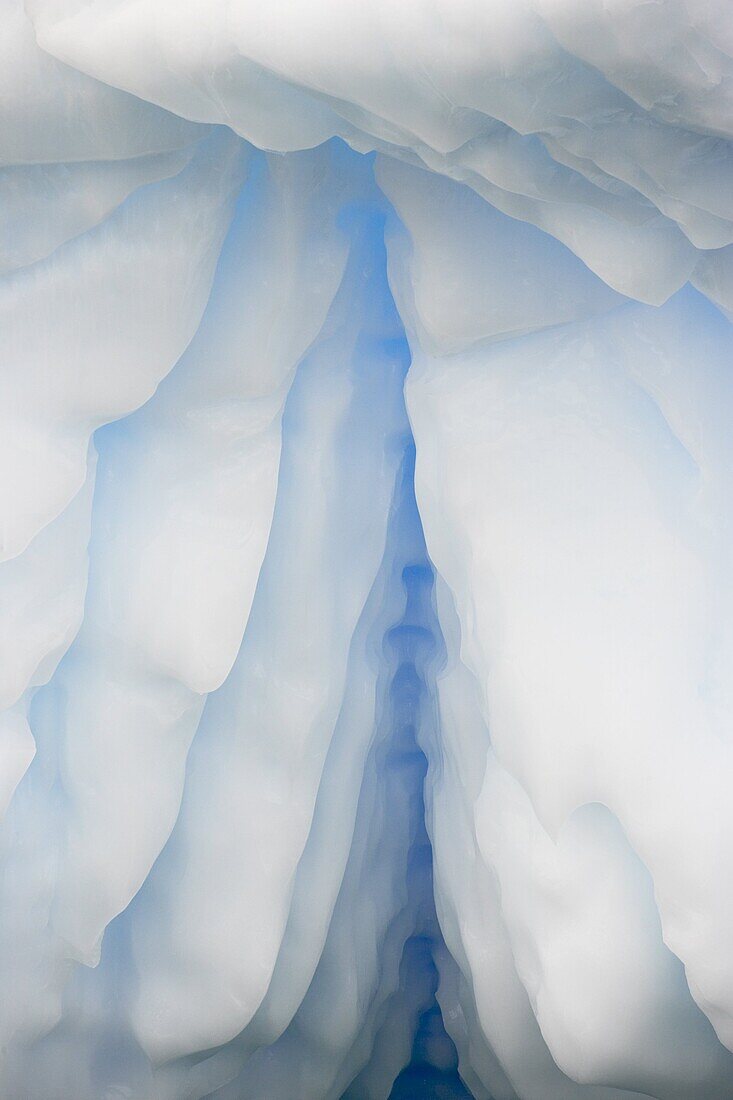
{"x":366,"y":660}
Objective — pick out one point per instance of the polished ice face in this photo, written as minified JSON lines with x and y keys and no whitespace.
{"x":366,"y":527}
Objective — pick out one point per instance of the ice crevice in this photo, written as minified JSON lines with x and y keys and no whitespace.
{"x":366,"y":661}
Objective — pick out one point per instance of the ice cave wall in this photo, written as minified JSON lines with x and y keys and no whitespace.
{"x":365,"y":517}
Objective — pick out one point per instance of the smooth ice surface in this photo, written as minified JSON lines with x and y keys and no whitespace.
{"x":366,"y":661}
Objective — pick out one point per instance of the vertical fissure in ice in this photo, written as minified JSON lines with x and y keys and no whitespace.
{"x":411,"y":652}
{"x":407,"y":731}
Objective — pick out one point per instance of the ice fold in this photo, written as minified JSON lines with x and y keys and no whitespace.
{"x":612,"y":569}
{"x":71,"y":360}
{"x":284,"y":693}
{"x":196,"y":468}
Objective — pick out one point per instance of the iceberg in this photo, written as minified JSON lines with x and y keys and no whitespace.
{"x":366,"y":661}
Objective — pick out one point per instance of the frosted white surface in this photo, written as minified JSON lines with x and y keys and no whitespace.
{"x":366,"y":662}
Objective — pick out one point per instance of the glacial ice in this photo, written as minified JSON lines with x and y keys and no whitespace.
{"x":366,"y":667}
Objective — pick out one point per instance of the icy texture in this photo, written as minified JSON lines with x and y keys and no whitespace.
{"x":607,"y":126}
{"x":366,"y":664}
